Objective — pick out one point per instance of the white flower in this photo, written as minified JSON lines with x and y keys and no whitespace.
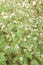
{"x":38,"y":52}
{"x":41,"y":34}
{"x":19,"y":4}
{"x":24,"y":49}
{"x":5,"y":6}
{"x":12,"y":14}
{"x":5,"y":17}
{"x":1,"y":23}
{"x":37,"y":22}
{"x":20,"y":11}
{"x":30,"y":49}
{"x":3,"y":26}
{"x":7,"y":47}
{"x":21,"y":58}
{"x":34,"y":2}
{"x":32,"y":45}
{"x":28,"y":36}
{"x":25,"y":39}
{"x":3,"y":13}
{"x":26,"y":28}
{"x":7,"y":36}
{"x":32,"y":53}
{"x":30,"y":20}
{"x":29,"y":28}
{"x":4,"y":0}
{"x":15,"y":21}
{"x":16,"y":46}
{"x":35,"y":38}
{"x":21,"y":25}
{"x":13,"y":35}
{"x":42,"y":55}
{"x":27,"y":15}
{"x":35,"y":30}
{"x":39,"y":2}
{"x":23,"y":4}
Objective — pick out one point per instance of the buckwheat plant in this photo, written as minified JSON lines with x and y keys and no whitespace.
{"x":21,"y":32}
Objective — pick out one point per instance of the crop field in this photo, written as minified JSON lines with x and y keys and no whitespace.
{"x":21,"y":32}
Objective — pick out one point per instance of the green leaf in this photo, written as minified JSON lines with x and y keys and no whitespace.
{"x":2,"y":59}
{"x":27,"y":54}
{"x":34,"y":62}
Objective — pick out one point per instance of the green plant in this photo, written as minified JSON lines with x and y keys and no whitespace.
{"x":21,"y":32}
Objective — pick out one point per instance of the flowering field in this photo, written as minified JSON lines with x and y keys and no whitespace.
{"x":21,"y":32}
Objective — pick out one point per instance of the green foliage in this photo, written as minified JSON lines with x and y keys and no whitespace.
{"x":2,"y":59}
{"x":34,"y":62}
{"x":21,"y":32}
